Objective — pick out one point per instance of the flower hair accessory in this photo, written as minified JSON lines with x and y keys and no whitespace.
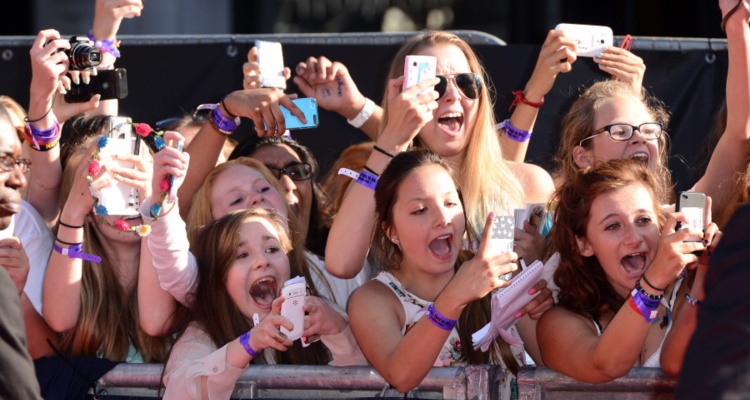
{"x":153,"y":138}
{"x":94,"y":168}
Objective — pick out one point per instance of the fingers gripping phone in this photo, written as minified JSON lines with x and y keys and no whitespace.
{"x":111,"y":84}
{"x":271,"y":62}
{"x":308,"y":106}
{"x":693,"y":206}
{"x":589,"y":38}
{"x":418,"y":69}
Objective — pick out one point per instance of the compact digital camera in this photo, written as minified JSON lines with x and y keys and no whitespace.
{"x":82,"y":54}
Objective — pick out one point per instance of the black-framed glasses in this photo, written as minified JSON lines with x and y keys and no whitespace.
{"x":470,"y":84}
{"x":295,"y":172}
{"x":8,"y":162}
{"x":623,"y":132}
{"x":197,"y":116}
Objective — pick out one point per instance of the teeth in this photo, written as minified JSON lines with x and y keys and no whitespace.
{"x":452,"y":115}
{"x":444,"y":237}
{"x":639,"y":156}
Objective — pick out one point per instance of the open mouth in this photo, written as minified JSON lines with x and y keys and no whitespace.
{"x":452,"y":122}
{"x":264,"y":291}
{"x":640,"y":156}
{"x":442,"y":247}
{"x":635,"y":263}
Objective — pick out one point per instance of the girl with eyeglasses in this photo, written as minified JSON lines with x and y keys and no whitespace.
{"x":625,"y":298}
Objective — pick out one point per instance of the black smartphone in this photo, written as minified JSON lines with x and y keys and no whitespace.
{"x":111,"y":84}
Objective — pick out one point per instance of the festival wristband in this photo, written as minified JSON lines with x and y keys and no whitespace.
{"x":76,"y":251}
{"x":363,"y":115}
{"x":364,"y":178}
{"x":42,"y":140}
{"x":513,"y":133}
{"x":245,"y":342}
{"x":107,"y":46}
{"x":439,"y":320}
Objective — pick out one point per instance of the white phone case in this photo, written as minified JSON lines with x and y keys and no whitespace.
{"x":121,"y":199}
{"x":271,"y":61}
{"x":294,"y":292}
{"x":589,"y":38}
{"x":418,"y":69}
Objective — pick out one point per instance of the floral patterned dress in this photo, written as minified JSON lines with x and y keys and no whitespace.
{"x":415,"y":308}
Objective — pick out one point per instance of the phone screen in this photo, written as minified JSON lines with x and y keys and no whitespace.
{"x":693,"y":206}
{"x":271,"y":63}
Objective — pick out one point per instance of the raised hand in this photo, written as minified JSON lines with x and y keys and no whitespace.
{"x":330,"y":84}
{"x":321,"y":319}
{"x":262,"y":106}
{"x":251,"y":71}
{"x":408,"y":110}
{"x":557,"y":56}
{"x":622,"y":65}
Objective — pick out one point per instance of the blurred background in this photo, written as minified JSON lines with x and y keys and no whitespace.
{"x":515,"y":21}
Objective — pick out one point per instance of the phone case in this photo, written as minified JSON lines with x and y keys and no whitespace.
{"x":121,"y":199}
{"x":294,"y":292}
{"x":589,"y":38}
{"x":693,"y":206}
{"x":418,"y":69}
{"x":271,"y":61}
{"x":111,"y":84}
{"x":309,"y":107}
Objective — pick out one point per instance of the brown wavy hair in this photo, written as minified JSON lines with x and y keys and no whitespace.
{"x":214,"y":309}
{"x":477,"y":313}
{"x":578,"y":124}
{"x":584,"y":287}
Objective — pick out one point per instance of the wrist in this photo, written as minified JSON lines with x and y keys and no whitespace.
{"x":353,"y":108}
{"x":533,"y":95}
{"x":448,"y":307}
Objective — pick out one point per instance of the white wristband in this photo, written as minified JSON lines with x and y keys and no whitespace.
{"x":364,"y":114}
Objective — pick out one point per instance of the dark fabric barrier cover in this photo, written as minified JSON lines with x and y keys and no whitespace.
{"x":166,"y":78}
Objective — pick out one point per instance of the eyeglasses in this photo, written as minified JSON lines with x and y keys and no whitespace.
{"x":623,"y":132}
{"x":197,"y":116}
{"x":8,"y":162}
{"x":469,"y":84}
{"x":295,"y":172}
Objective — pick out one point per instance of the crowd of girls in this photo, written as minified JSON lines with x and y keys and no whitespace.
{"x":399,"y":267}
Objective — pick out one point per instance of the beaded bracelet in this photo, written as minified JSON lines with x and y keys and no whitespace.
{"x":108,"y":46}
{"x":76,"y":251}
{"x":513,"y":133}
{"x":245,"y":342}
{"x":692,"y":300}
{"x":639,"y":288}
{"x":438,"y":319}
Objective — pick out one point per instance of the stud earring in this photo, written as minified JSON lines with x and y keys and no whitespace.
{"x":394,"y":239}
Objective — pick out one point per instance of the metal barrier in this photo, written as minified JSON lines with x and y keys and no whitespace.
{"x":471,"y":382}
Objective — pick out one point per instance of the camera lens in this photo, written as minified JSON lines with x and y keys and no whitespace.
{"x":83,"y":55}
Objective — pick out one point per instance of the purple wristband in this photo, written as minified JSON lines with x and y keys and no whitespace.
{"x":514,"y":133}
{"x":109,"y":46}
{"x":224,"y":124}
{"x":76,"y":251}
{"x":46,"y":135}
{"x":440,"y":320}
{"x":647,"y":308}
{"x":245,"y":342}
{"x":367,"y":180}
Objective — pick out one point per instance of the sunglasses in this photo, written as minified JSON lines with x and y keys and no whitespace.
{"x":470,"y":84}
{"x":295,"y":172}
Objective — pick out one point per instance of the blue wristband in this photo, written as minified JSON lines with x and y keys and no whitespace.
{"x":440,"y":320}
{"x":245,"y":342}
{"x":367,"y":179}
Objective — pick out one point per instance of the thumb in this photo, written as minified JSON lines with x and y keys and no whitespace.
{"x":394,"y":86}
{"x":304,"y":86}
{"x":91,"y":104}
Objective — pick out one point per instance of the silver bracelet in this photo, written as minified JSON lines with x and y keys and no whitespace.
{"x":364,"y":114}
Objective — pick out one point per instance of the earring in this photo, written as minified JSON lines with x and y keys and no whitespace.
{"x":394,"y":239}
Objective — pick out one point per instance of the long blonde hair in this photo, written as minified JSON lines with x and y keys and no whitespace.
{"x":487,"y":182}
{"x":108,"y":319}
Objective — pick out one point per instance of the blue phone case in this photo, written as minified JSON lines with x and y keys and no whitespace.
{"x":309,"y":107}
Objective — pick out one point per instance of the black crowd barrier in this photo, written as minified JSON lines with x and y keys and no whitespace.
{"x":168,"y":74}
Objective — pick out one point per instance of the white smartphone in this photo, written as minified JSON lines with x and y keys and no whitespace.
{"x":271,"y":61}
{"x":418,"y":69}
{"x":693,"y":206}
{"x":589,"y":38}
{"x":121,"y":199}
{"x":294,"y":292}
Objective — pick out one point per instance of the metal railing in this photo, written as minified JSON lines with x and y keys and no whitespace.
{"x":471,"y":382}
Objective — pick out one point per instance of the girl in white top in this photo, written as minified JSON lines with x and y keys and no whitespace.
{"x":235,"y":318}
{"x":405,"y":319}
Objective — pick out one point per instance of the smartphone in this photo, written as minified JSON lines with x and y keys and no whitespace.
{"x":271,"y":61}
{"x":309,"y":107}
{"x":121,"y":199}
{"x":111,"y":84}
{"x":418,"y":69}
{"x":589,"y":38}
{"x":172,"y":189}
{"x":693,"y":205}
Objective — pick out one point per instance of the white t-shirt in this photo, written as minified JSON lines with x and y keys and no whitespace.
{"x":37,"y":241}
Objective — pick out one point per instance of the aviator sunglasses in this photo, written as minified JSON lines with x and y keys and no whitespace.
{"x":468,"y":83}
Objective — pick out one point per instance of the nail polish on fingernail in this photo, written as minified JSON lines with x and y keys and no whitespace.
{"x":77,"y":80}
{"x":517,"y":315}
{"x":532,"y":290}
{"x":599,"y":54}
{"x":86,"y":80}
